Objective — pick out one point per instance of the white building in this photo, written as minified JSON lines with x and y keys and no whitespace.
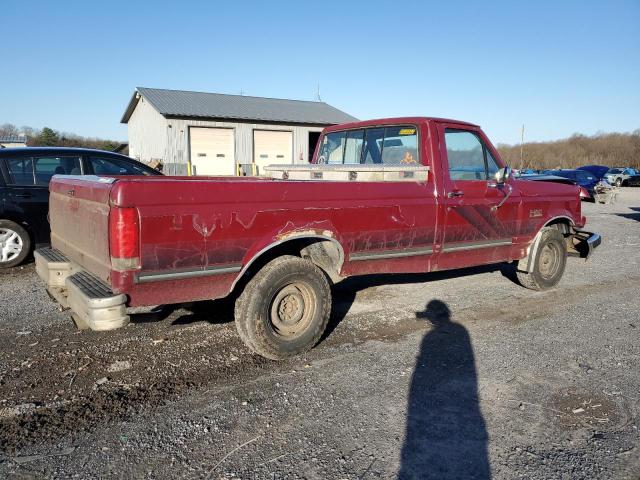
{"x":11,"y":141}
{"x":215,"y":134}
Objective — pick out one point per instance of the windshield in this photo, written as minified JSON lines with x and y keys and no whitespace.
{"x":614,"y":171}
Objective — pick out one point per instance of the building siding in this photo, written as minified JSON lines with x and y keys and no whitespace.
{"x":147,"y":133}
{"x":178,"y":141}
{"x":154,"y":137}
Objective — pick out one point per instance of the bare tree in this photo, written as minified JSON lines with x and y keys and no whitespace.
{"x":610,"y":149}
{"x":8,"y":129}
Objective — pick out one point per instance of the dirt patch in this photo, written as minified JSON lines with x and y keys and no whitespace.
{"x":572,"y":409}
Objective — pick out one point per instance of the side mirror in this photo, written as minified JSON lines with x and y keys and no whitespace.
{"x":503,"y":175}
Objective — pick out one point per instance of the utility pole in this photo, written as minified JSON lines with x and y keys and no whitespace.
{"x":522,"y":147}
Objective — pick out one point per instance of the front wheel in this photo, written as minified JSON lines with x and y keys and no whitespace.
{"x":284,"y":310}
{"x":549,"y":262}
{"x":15,"y":244}
{"x":618,"y":182}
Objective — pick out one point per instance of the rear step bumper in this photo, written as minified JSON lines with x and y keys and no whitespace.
{"x":91,"y":301}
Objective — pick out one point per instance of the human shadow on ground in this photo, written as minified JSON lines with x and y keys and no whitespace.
{"x":445,"y":435}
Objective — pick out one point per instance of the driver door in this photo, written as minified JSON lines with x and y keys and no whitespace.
{"x":481,"y":217}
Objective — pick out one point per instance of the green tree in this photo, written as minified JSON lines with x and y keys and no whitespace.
{"x":48,"y":137}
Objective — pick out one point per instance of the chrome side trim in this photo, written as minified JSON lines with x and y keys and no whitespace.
{"x":171,"y":275}
{"x":559,"y":217}
{"x":408,"y":252}
{"x":474,"y":245}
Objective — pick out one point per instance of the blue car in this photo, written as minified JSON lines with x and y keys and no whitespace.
{"x":584,"y":178}
{"x":599,"y":171}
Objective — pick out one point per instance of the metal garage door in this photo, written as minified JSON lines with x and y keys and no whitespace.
{"x":212,"y":151}
{"x":271,"y":147}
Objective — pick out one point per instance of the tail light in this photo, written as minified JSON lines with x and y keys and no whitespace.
{"x":584,"y":193}
{"x":124,"y":238}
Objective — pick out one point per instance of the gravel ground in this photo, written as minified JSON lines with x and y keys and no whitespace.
{"x":450,"y":375}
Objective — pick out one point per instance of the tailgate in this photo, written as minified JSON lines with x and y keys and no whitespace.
{"x":79,"y":217}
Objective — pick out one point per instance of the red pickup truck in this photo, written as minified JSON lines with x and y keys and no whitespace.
{"x":396,"y":195}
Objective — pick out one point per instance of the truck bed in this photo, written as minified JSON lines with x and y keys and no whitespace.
{"x":192,"y":227}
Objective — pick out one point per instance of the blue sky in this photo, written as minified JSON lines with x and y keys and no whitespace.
{"x":559,"y":67}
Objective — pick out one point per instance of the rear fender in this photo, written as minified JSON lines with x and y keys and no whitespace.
{"x":329,"y":260}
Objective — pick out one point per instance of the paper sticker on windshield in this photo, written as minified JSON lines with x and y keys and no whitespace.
{"x":407,"y":131}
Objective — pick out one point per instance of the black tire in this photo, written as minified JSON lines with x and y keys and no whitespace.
{"x":549,"y":262}
{"x":284,"y":309}
{"x":239,"y":312}
{"x":15,"y":244}
{"x":618,"y":182}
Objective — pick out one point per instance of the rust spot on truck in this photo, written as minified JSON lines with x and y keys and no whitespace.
{"x":301,"y":233}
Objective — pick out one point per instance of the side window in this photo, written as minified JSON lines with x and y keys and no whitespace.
{"x":492,"y":166}
{"x":115,"y":166}
{"x":400,"y":146}
{"x":47,"y":167}
{"x":465,"y":154}
{"x":20,"y":171}
{"x":332,"y":148}
{"x":353,"y":146}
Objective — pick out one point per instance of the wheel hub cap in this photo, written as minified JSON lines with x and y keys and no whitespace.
{"x":291,"y":310}
{"x":10,"y":245}
{"x":549,"y":261}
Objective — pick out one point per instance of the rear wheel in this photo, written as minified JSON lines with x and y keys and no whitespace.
{"x":15,"y":244}
{"x":284,"y":310}
{"x":549,"y":262}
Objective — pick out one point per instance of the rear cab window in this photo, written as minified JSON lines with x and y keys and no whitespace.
{"x":389,"y":145}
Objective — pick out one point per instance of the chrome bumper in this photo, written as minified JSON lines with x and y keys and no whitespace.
{"x":92,"y":303}
{"x":584,"y":243}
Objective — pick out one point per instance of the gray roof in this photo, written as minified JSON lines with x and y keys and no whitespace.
{"x":13,"y":139}
{"x":180,"y":103}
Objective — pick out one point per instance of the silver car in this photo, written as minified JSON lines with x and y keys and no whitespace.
{"x":619,"y":176}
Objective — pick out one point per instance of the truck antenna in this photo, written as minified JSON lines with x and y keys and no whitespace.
{"x":522,"y":147}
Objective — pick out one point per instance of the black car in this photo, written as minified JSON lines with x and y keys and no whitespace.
{"x":24,"y":190}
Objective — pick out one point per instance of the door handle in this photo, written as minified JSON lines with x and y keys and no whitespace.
{"x":455,"y":193}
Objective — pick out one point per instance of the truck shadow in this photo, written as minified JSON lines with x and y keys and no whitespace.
{"x":211,"y":311}
{"x":445,"y":436}
{"x":344,"y":293}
